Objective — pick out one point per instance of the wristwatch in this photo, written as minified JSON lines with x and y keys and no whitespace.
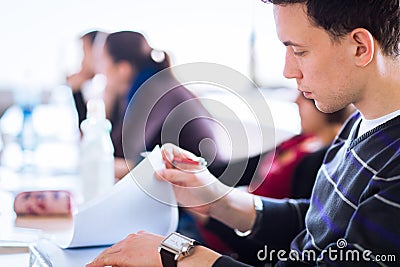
{"x":259,"y":207}
{"x":174,"y":247}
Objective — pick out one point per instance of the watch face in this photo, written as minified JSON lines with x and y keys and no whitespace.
{"x":175,"y":242}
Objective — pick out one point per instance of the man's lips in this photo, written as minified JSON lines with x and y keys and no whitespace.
{"x":306,"y":94}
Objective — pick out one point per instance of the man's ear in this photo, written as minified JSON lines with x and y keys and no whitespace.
{"x":364,"y":46}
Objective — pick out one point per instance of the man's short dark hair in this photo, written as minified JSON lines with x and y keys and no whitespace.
{"x":339,"y":17}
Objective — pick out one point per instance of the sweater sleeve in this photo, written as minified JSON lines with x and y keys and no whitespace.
{"x":225,"y":261}
{"x":373,"y":235}
{"x":281,"y":221}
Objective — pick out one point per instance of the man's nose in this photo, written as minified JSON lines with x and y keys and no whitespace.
{"x":291,"y":69}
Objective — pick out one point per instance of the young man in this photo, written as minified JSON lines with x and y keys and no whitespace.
{"x":339,"y":52}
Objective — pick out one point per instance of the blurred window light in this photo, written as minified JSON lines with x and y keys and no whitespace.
{"x":40,"y":42}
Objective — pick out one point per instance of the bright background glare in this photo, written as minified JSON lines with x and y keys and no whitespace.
{"x":40,"y":45}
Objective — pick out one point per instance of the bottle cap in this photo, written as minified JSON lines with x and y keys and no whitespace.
{"x":96,"y":109}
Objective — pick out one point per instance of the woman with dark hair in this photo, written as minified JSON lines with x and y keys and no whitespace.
{"x":128,"y":64}
{"x":151,"y":106}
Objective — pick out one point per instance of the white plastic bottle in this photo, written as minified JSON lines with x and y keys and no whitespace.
{"x":97,"y":152}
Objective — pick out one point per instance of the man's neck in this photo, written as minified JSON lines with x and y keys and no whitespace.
{"x":382,"y":95}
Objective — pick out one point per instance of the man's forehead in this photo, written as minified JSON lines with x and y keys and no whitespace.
{"x":291,"y":22}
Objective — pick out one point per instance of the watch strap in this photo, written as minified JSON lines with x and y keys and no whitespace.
{"x":167,"y":258}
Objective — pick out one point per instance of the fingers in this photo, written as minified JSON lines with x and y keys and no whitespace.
{"x":177,"y":158}
{"x":174,"y":176}
{"x":170,"y":152}
{"x":104,"y":260}
{"x":108,"y":257}
{"x":135,"y":250}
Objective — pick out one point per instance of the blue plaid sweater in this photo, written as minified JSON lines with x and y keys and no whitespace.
{"x":353,"y":216}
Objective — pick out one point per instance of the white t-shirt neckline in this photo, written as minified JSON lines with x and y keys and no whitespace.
{"x":367,"y":125}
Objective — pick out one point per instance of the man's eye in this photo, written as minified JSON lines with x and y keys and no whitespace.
{"x":299,"y":53}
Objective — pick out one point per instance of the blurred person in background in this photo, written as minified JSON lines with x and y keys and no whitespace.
{"x":161,"y":111}
{"x":90,"y":66}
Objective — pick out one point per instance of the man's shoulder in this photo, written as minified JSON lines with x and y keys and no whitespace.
{"x":349,"y":125}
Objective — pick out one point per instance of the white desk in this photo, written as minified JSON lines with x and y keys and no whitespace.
{"x":9,"y":231}
{"x":37,"y":230}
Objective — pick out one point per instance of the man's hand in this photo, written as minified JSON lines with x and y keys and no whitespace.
{"x":136,"y":250}
{"x":141,"y":250}
{"x":195,"y":187}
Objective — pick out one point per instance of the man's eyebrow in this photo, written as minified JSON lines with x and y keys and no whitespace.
{"x":290,"y":43}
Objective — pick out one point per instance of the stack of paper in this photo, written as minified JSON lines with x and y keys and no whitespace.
{"x":138,"y":202}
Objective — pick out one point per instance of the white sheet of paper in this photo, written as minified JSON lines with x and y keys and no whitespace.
{"x":138,"y":202}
